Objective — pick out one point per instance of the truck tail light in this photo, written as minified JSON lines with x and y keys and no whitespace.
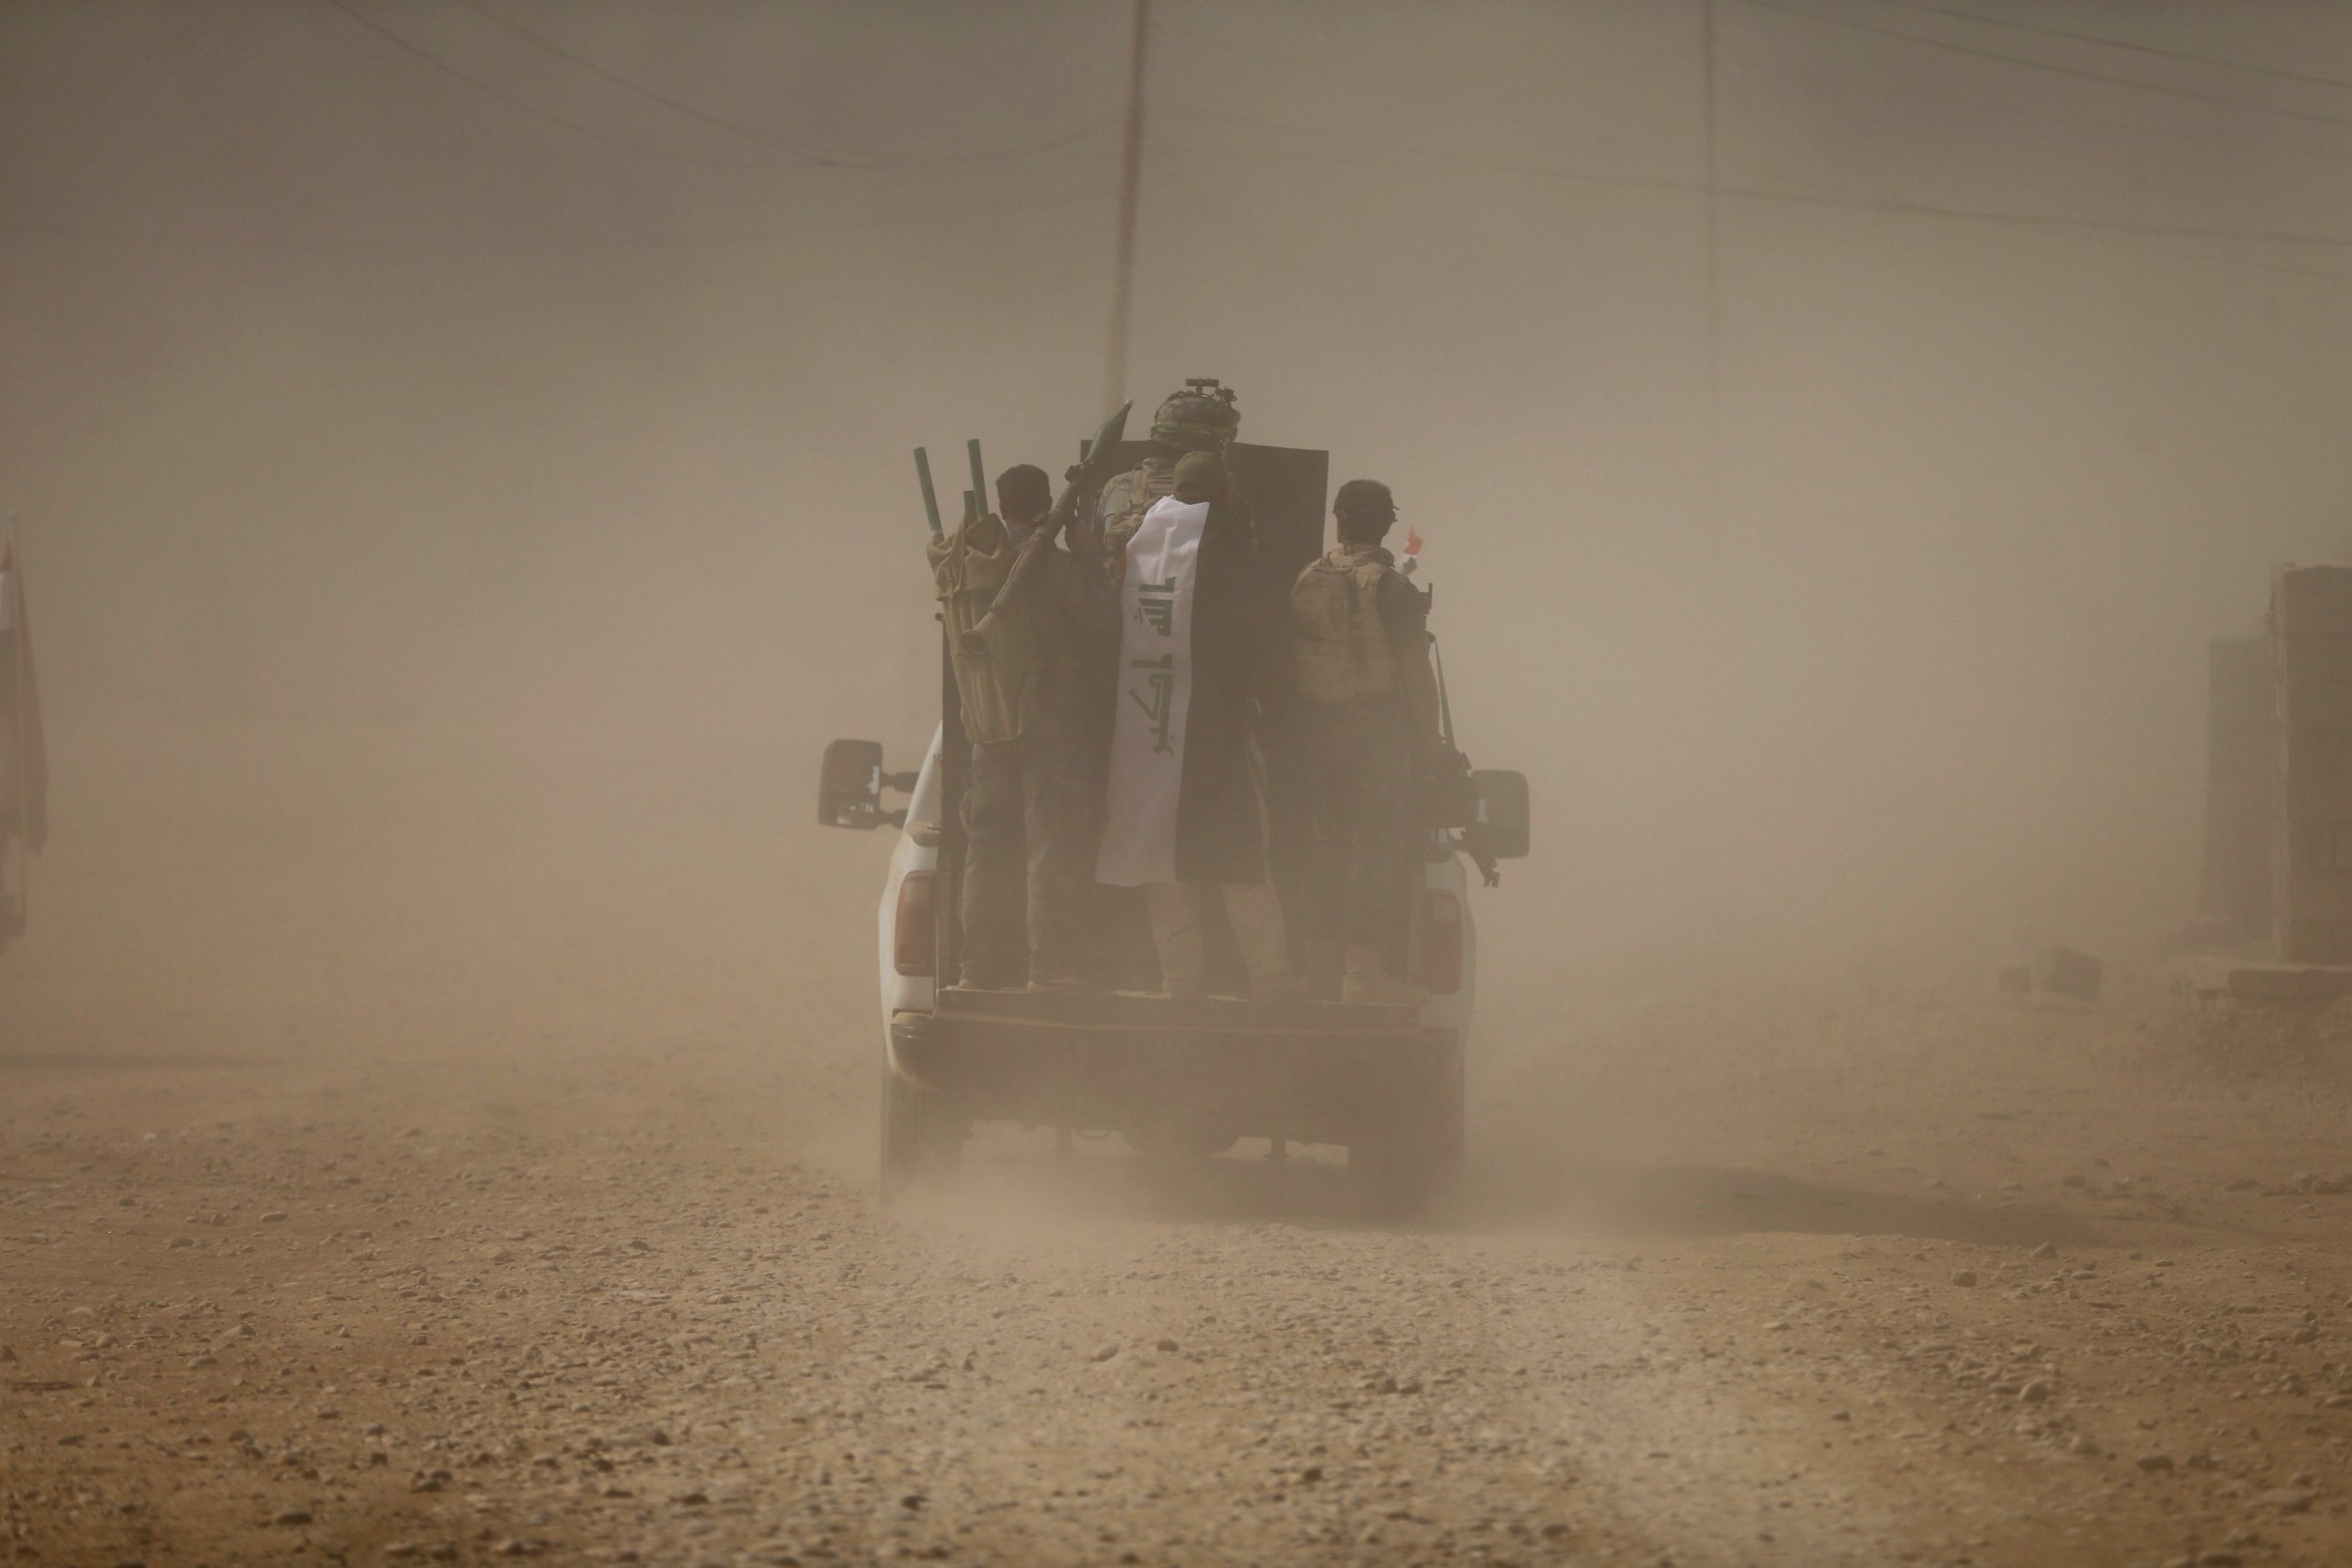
{"x":915,"y":931}
{"x":1440,"y":943}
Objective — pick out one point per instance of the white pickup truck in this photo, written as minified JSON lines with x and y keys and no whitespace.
{"x":1177,"y":1080}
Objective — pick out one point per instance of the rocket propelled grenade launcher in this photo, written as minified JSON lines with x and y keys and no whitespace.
{"x":931,"y":496}
{"x":1091,"y":469}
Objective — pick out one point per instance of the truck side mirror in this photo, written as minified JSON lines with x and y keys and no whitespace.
{"x":1501,"y":827}
{"x":849,"y":790}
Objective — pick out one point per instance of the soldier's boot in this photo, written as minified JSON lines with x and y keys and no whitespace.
{"x":1055,"y":977}
{"x":1255,"y":912}
{"x":1175,"y":912}
{"x":1321,"y":965}
{"x":1282,"y":987}
{"x":1368,"y":985}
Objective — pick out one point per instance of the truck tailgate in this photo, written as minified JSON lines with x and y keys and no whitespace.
{"x":1309,"y":1071}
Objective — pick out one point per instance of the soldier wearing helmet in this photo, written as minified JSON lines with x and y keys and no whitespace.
{"x":1186,"y":816}
{"x":1368,"y":718}
{"x":1035,"y":698}
{"x":1201,"y":418}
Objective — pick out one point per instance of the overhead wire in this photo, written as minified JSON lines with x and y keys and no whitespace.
{"x":818,"y":152}
{"x":1428,"y":154}
{"x":1696,"y":188}
{"x":817,"y":155}
{"x":1810,"y":81}
{"x":314,"y":246}
{"x":2050,"y":66}
{"x":1389,"y":94}
{"x":1805,"y":82}
{"x":68,"y":234}
{"x":481,"y":85}
{"x":1444,"y":157}
{"x":2048,"y":221}
{"x":2127,"y":45}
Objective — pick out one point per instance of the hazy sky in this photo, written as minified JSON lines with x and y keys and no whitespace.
{"x":524,"y":363}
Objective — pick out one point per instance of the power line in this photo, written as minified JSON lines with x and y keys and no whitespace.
{"x":2138,"y":236}
{"x":2044,"y":221}
{"x":1389,"y":92}
{"x":2132,"y":239}
{"x":1809,"y":81}
{"x":2030,"y":220}
{"x":480,"y":84}
{"x":1390,"y":150}
{"x":2030,"y":63}
{"x":1752,"y":193}
{"x":254,"y":244}
{"x":2128,"y":45}
{"x":1818,"y":195}
{"x":818,"y":152}
{"x":1427,"y":154}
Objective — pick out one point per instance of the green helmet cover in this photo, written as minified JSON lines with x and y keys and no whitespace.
{"x":1195,"y":419}
{"x":1201,"y":473}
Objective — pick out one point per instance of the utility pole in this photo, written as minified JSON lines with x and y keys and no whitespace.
{"x":1714,"y":293}
{"x":1130,"y":194}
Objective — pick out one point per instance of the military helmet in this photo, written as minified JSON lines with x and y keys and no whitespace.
{"x":1201,"y":473}
{"x":1367,"y":498}
{"x":1200,"y":418}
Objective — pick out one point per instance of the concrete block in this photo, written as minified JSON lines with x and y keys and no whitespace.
{"x":2064,"y":972}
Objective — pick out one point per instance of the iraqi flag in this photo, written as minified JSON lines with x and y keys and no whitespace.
{"x":1147,"y":773}
{"x":24,"y":751}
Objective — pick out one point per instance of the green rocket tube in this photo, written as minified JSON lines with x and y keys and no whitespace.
{"x":931,"y":496}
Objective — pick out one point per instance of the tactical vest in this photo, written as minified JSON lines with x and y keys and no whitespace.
{"x":998,"y":687}
{"x":1127,"y":496}
{"x":1341,"y":649}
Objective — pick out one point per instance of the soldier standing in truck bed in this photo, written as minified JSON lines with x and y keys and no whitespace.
{"x":1201,"y":418}
{"x":1186,"y":816}
{"x":1036,"y":706}
{"x":1368,"y":717}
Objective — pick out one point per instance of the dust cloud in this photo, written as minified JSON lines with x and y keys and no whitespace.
{"x":410,"y":477}
{"x":460,"y":453}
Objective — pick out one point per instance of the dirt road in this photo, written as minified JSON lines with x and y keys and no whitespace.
{"x":1917,"y":1278}
{"x":362,"y":1203}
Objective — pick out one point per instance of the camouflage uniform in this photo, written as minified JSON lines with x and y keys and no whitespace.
{"x":1199,"y":418}
{"x":1357,"y":627}
{"x":1037,"y":710}
{"x":1030,"y":811}
{"x":1127,"y":496}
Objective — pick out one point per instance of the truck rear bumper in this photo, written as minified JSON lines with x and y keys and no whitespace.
{"x":1315,"y":1072}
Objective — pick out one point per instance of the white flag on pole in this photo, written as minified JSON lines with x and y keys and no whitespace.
{"x":1155,"y":695}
